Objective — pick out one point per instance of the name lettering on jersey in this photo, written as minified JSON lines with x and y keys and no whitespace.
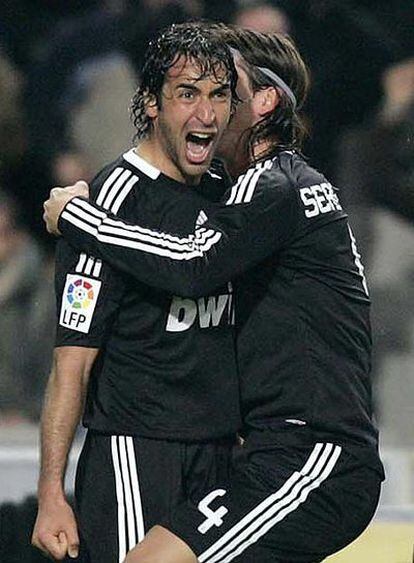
{"x":78,"y":302}
{"x":210,"y":311}
{"x":320,"y":198}
{"x":213,"y":517}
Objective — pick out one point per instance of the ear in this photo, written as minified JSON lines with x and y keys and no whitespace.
{"x":266,"y":100}
{"x":151,"y":106}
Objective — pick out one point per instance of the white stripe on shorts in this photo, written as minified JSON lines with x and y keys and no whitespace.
{"x":120,"y":500}
{"x":275,"y":507}
{"x":130,"y":515}
{"x":136,"y":493}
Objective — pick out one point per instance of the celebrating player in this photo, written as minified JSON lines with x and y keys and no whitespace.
{"x":162,"y":405}
{"x":309,"y":478}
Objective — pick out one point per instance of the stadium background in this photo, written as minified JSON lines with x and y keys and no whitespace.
{"x":67,"y":73}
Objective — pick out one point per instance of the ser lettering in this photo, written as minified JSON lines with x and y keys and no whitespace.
{"x":318,"y":199}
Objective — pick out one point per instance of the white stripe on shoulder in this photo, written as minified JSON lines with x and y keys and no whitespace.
{"x":113,"y":191}
{"x":107,"y":184}
{"x":233,"y":192}
{"x":243,"y":190}
{"x":243,"y":185}
{"x":111,"y":196}
{"x":123,"y":193}
{"x":252,"y":186}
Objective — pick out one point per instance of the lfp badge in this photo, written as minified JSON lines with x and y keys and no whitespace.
{"x":78,"y":304}
{"x":80,"y":294}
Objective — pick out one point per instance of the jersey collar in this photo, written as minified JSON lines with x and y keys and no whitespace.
{"x":143,"y":165}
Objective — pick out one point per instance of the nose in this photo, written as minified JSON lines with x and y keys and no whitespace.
{"x":205,"y":111}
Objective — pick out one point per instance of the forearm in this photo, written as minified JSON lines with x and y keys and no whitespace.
{"x":62,"y":411}
{"x":161,"y":260}
{"x":191,"y":266}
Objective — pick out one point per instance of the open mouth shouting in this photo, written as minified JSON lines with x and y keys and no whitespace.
{"x":199,"y":147}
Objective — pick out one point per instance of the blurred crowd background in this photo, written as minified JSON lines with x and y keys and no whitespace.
{"x":67,"y":73}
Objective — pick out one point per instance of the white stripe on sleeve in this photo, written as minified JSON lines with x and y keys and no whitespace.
{"x":81,"y":262}
{"x":117,"y":233}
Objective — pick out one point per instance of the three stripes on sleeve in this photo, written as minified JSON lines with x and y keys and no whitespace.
{"x":103,"y":228}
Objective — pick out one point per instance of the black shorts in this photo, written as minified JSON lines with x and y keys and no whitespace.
{"x":125,"y":485}
{"x":291,"y":505}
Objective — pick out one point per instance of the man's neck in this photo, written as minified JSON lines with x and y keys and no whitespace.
{"x":237,"y":167}
{"x":262,"y":149}
{"x":240,"y":165}
{"x":150,"y":151}
{"x":146,"y":151}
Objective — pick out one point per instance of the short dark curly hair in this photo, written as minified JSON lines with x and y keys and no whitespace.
{"x":195,"y":41}
{"x":285,"y":126}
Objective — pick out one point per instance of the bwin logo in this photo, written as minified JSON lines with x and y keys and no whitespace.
{"x":211,"y":311}
{"x":213,"y":517}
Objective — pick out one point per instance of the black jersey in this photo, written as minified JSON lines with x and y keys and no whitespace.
{"x":303,"y":312}
{"x":166,"y":367}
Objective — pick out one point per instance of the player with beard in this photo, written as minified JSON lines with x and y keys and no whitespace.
{"x":308,"y":480}
{"x":162,"y":396}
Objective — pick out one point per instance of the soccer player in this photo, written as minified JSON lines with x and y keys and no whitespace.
{"x":309,"y":478}
{"x":158,"y":371}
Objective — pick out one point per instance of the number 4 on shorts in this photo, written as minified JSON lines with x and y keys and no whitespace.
{"x":213,"y":517}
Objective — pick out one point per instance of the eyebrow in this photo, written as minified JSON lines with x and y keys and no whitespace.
{"x":186,"y":85}
{"x":190,"y":86}
{"x":222,"y":87}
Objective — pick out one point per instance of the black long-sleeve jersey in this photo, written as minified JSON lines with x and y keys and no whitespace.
{"x":302,"y":312}
{"x":166,"y":367}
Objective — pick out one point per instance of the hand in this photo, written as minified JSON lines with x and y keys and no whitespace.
{"x":55,"y":531}
{"x":58,"y":198}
